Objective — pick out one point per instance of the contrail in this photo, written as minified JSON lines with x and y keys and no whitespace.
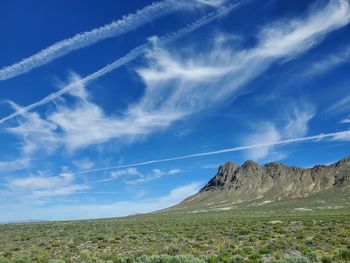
{"x":133,"y":54}
{"x":125,"y":24}
{"x":227,"y":150}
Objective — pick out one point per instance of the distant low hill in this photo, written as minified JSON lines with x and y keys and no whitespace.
{"x":272,"y":186}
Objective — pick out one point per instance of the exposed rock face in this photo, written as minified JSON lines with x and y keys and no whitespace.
{"x":251,"y":180}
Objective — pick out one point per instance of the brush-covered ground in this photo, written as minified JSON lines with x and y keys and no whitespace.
{"x":221,"y":236}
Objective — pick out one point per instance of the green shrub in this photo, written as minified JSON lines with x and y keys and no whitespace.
{"x":160,"y":259}
{"x":265,"y":250}
{"x":21,"y":260}
{"x":326,"y":260}
{"x":291,"y":260}
{"x":255,"y":256}
{"x":237,"y":259}
{"x":344,"y":255}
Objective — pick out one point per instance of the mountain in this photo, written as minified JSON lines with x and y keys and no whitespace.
{"x":273,"y":185}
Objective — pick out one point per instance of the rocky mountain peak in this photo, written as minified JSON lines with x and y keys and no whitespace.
{"x":228,"y":167}
{"x":251,"y":168}
{"x":343,"y":162}
{"x":250,"y":165}
{"x":253,"y":185}
{"x":273,"y":164}
{"x":252,"y":179}
{"x":222,"y":177}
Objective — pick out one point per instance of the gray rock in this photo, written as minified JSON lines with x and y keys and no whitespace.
{"x":251,"y":180}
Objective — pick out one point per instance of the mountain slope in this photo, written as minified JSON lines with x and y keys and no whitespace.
{"x":272,"y":185}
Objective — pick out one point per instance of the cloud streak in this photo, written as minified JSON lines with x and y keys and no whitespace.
{"x":39,"y":187}
{"x":140,"y":177}
{"x":330,"y":62}
{"x":177,"y":86}
{"x":296,"y":126}
{"x":343,"y":104}
{"x":347,"y":120}
{"x":133,"y":54}
{"x":125,"y":24}
{"x":334,"y":135}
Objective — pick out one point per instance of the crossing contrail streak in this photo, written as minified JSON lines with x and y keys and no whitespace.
{"x":133,"y":54}
{"x":125,"y":24}
{"x":227,"y":150}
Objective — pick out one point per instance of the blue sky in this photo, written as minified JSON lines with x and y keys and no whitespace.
{"x":122,"y":107}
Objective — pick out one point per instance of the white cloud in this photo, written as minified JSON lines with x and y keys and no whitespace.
{"x":36,"y":132}
{"x":345,"y":120}
{"x":167,"y":68}
{"x":126,"y":172}
{"x":120,"y":208}
{"x":125,"y":24}
{"x":174,"y":171}
{"x":18,"y":164}
{"x":154,"y":175}
{"x":312,"y":138}
{"x":78,"y":131}
{"x":181,"y":83}
{"x":289,"y":38}
{"x":266,"y":132}
{"x":84,"y":164}
{"x":214,"y":3}
{"x":133,"y":54}
{"x":340,"y":106}
{"x":296,"y":125}
{"x":343,"y":136}
{"x":42,"y":186}
{"x":190,"y":83}
{"x":298,"y":122}
{"x":72,"y":125}
{"x":336,"y":59}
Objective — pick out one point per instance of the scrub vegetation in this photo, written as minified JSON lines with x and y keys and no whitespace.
{"x":222,"y":236}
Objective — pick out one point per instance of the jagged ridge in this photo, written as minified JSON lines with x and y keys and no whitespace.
{"x":273,"y":182}
{"x":285,"y":180}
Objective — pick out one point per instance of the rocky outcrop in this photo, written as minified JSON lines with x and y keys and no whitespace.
{"x":252,"y":180}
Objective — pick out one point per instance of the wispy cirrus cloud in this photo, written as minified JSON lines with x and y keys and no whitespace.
{"x":178,"y":85}
{"x":340,"y":135}
{"x":214,"y":3}
{"x":218,"y":73}
{"x":343,"y":104}
{"x":291,"y":37}
{"x":127,"y":23}
{"x":300,"y":114}
{"x":344,"y":137}
{"x":133,"y":54}
{"x":71,"y":125}
{"x":84,"y":163}
{"x":267,"y":132}
{"x":331,"y":61}
{"x":347,"y":120}
{"x":138,"y":177}
{"x":17,"y":164}
{"x":125,"y":172}
{"x":38,"y":187}
{"x":296,"y":125}
{"x":153,"y":175}
{"x":36,"y":132}
{"x":281,"y":40}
